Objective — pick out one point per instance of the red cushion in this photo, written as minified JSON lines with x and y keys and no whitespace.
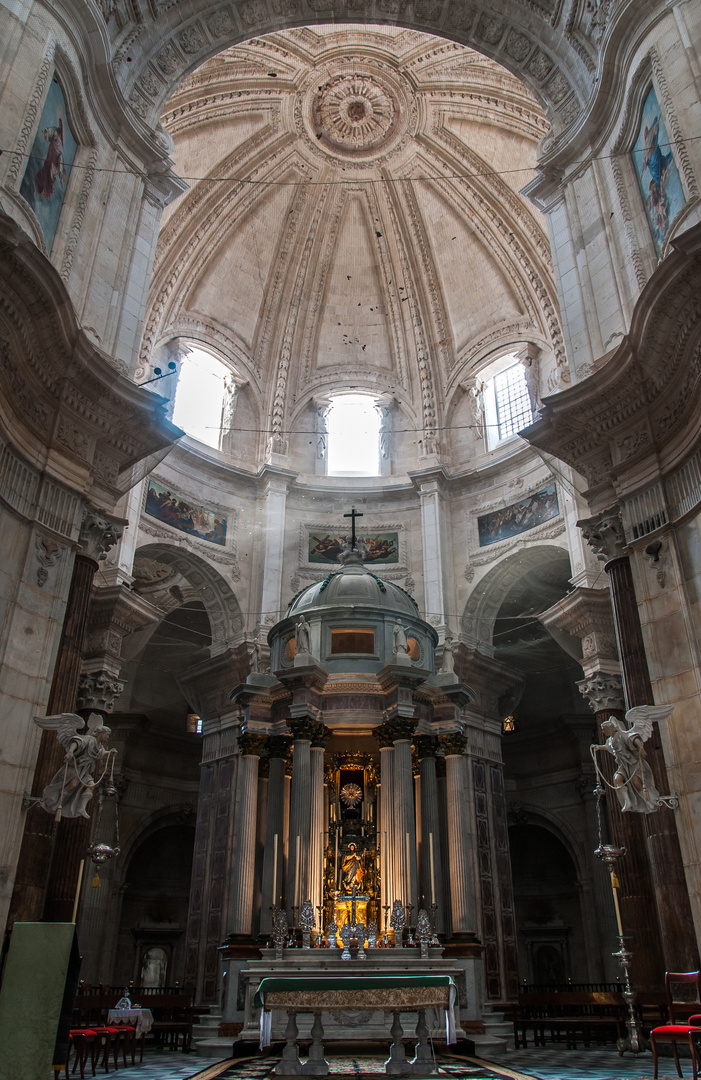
{"x":82,"y":1031}
{"x":675,"y":1029}
{"x":114,"y":1030}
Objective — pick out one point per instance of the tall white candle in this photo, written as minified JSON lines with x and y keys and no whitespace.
{"x":275,"y":871}
{"x":335,"y":864}
{"x":408,"y":871}
{"x":433,"y":876}
{"x":296,"y":896}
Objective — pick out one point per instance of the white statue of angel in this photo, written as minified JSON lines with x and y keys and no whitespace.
{"x":72,"y":787}
{"x":633,"y":779}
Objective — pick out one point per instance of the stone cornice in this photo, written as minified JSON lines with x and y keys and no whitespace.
{"x":621,"y":427}
{"x":76,"y":415}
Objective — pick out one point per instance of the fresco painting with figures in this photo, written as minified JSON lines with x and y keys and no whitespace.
{"x":381,"y":548}
{"x":175,"y":510}
{"x":53,"y":150}
{"x":656,"y":170}
{"x":519,"y":517}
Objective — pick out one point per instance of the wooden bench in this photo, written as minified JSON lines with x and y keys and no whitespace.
{"x":576,"y":1015}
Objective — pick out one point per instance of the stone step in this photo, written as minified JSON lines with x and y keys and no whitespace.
{"x":486,"y":1045}
{"x":216,"y":1048}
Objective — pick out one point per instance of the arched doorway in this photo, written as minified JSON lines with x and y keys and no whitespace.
{"x":155,"y":893}
{"x":547,"y":899}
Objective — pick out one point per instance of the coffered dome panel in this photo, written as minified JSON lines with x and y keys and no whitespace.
{"x":353,"y":324}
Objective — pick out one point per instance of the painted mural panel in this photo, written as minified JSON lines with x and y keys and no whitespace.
{"x":519,"y":517}
{"x":46,"y":177}
{"x":657,"y":171}
{"x":178,"y":512}
{"x":382,"y":548}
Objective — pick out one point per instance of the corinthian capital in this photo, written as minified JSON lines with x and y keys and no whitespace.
{"x":604,"y":533}
{"x":602,"y":691}
{"x":99,"y":532}
{"x":97,"y":690}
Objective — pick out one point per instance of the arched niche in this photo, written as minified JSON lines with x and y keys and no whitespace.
{"x":547,"y":900}
{"x":155,"y":897}
{"x":482,"y":608}
{"x":204,"y":583}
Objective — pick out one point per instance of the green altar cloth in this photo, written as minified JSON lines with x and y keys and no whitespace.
{"x":304,"y":993}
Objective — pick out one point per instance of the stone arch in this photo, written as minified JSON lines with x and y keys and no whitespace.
{"x":527,"y":38}
{"x":479,"y":615}
{"x":571,"y":840}
{"x":217,"y":596}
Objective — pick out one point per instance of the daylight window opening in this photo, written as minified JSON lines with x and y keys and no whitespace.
{"x":353,"y":425}
{"x":203,"y":397}
{"x":512,"y":401}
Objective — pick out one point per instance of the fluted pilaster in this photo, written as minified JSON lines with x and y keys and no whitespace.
{"x":243,"y":864}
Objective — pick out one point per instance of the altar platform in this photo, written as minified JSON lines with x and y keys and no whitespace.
{"x":354,"y":1022}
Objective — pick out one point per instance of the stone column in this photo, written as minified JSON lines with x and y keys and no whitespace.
{"x":275,"y":504}
{"x":461,"y":899}
{"x":404,"y":844}
{"x":386,"y":823}
{"x":244,"y":860}
{"x":431,"y":868}
{"x":303,"y":730}
{"x":277,"y":747}
{"x":433,"y":531}
{"x":318,"y":820}
{"x":605,"y":535}
{"x":38,"y":854}
{"x":444,"y":881}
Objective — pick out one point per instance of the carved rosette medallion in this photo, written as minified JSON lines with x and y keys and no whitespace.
{"x":355,"y":115}
{"x":354,"y":112}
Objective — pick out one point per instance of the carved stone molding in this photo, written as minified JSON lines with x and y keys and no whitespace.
{"x":98,"y":690}
{"x":48,"y":553}
{"x":604,"y":534}
{"x":99,"y":532}
{"x":586,"y":614}
{"x":603,"y":690}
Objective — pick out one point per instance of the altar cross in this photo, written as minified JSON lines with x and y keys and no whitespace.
{"x":353,"y":515}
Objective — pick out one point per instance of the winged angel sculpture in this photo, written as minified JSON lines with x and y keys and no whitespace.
{"x":633,"y":780}
{"x":73,"y":786}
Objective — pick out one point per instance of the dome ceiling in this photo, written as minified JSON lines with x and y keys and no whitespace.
{"x":353,"y":218}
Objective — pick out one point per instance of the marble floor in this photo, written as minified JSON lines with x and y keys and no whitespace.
{"x":540,"y":1064}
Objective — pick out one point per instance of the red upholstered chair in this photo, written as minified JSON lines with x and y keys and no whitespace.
{"x":682,"y":1013}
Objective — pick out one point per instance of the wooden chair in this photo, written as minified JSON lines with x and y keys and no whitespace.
{"x":678,"y":1029}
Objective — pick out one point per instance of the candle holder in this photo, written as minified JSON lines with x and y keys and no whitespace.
{"x":434,"y":935}
{"x":609,"y":854}
{"x":385,"y":939}
{"x":409,"y":909}
{"x":321,"y":926}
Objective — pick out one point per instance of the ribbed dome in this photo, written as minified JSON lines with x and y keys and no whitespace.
{"x":353,"y":586}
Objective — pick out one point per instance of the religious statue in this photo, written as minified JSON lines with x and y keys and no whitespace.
{"x":73,"y":786}
{"x":153,"y":967}
{"x":399,"y":638}
{"x":476,"y":397}
{"x":448,"y":663}
{"x":530,"y":363}
{"x":352,"y":868}
{"x":633,"y":779}
{"x":302,"y":636}
{"x":255,"y":659}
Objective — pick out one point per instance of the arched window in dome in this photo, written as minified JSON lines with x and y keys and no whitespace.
{"x":353,"y":436}
{"x":506,"y":399}
{"x":204,"y":397}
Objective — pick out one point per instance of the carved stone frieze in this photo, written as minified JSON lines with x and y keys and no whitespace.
{"x":48,"y":553}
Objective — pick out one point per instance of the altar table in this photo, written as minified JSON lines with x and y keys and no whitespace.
{"x":142,"y":1019}
{"x":317,"y":994}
